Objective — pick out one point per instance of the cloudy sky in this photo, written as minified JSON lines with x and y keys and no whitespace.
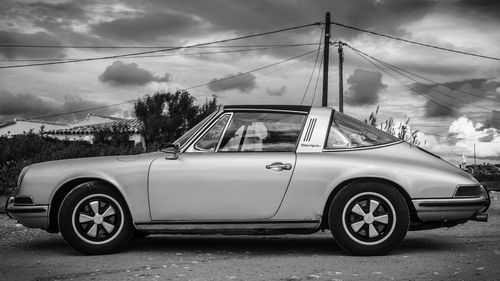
{"x":453,"y":96}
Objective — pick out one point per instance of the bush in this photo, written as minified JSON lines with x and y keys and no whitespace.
{"x":20,"y":151}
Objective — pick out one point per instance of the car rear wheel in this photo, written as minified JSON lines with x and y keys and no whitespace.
{"x":368,"y":218}
{"x":94,"y":219}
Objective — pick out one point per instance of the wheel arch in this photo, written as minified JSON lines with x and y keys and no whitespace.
{"x":64,"y":189}
{"x":336,"y":189}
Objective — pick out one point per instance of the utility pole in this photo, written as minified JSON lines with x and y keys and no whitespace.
{"x":326,"y":60}
{"x":475,"y":154}
{"x":341,"y":77}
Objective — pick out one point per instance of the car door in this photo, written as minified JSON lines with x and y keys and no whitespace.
{"x":239,"y":169}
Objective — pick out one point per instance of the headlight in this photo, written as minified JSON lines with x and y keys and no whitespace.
{"x":468,"y":191}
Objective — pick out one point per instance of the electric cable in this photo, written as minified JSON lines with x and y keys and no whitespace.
{"x":196,"y":86}
{"x":314,"y":67}
{"x":421,"y":77}
{"x":415,"y":42}
{"x":408,"y":86}
{"x":162,"y":50}
{"x":400,"y":71}
{"x":146,"y":47}
{"x":165,"y":55}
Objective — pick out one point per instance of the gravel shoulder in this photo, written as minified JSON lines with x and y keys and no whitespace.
{"x":467,"y":252}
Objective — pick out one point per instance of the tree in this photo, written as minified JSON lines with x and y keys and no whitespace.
{"x":166,"y":116}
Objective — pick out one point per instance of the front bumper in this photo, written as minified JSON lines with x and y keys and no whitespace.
{"x":33,"y":216}
{"x":450,"y":209}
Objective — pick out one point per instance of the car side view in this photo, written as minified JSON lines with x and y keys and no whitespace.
{"x":254,"y":169}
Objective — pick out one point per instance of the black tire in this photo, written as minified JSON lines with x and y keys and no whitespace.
{"x":368,"y":218}
{"x":94,"y":219}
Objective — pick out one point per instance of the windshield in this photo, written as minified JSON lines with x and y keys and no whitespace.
{"x":184,"y":138}
{"x":347,"y":132}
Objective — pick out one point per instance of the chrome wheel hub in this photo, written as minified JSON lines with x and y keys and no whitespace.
{"x":369,"y":218}
{"x":97,"y":219}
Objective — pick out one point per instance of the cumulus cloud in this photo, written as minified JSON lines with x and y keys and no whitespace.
{"x":364,"y":87}
{"x":276,"y":91}
{"x":123,"y":74}
{"x":29,"y":106}
{"x":464,"y":134}
{"x":38,"y":38}
{"x":243,"y":82}
{"x":448,"y":98}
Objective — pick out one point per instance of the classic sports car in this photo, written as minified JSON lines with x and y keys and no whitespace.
{"x":254,"y":170}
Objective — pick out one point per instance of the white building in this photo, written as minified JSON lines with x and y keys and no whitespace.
{"x":86,"y":132}
{"x":81,"y":130}
{"x":21,"y":127}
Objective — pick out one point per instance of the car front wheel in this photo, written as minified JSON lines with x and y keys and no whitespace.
{"x":94,"y":219}
{"x":368,"y":218}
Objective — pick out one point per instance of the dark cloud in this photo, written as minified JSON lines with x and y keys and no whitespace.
{"x":254,"y":16}
{"x":445,"y":100}
{"x":29,"y":106}
{"x":494,"y":121}
{"x":364,"y":87}
{"x":39,"y":38}
{"x":24,"y":105}
{"x":489,"y":8}
{"x":129,"y":74}
{"x":276,"y":91}
{"x":147,"y":27}
{"x":244,"y":83}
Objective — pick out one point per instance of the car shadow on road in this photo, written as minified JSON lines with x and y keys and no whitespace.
{"x":265,"y":245}
{"x":257,"y":245}
{"x":236,"y":244}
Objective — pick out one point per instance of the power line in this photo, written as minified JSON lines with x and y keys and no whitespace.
{"x":147,"y":47}
{"x":250,"y":71}
{"x":423,"y":78}
{"x":162,"y":50}
{"x":415,"y":42}
{"x":405,"y":84}
{"x":196,"y":86}
{"x":314,"y":67}
{"x":166,"y":55}
{"x":305,"y":57}
{"x":400,"y":71}
{"x":317,"y":80}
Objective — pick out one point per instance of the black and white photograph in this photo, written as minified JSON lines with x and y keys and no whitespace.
{"x":263,"y":140}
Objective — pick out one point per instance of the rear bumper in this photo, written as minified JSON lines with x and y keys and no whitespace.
{"x":450,"y":208}
{"x":33,"y":216}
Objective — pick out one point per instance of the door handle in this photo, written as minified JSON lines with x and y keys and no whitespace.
{"x":278,"y":166}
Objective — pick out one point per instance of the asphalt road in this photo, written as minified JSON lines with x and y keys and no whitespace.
{"x":467,"y":252}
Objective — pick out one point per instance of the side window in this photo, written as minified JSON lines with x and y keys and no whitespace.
{"x":347,"y":132}
{"x":211,"y":138}
{"x":260,"y":131}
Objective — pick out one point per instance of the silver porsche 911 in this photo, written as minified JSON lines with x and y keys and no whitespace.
{"x":254,"y":170}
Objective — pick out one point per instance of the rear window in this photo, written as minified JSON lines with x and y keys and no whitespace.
{"x":347,"y":132}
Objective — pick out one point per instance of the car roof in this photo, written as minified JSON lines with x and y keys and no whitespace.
{"x":303,"y":108}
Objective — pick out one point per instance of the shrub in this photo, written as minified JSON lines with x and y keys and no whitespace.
{"x":20,"y":151}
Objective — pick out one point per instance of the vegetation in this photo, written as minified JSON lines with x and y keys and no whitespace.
{"x":166,"y":116}
{"x":19,"y":151}
{"x":403,"y":131}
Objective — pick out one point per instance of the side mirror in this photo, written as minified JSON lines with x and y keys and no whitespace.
{"x":172,"y":149}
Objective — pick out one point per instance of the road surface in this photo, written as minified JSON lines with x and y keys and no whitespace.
{"x":466,"y":252}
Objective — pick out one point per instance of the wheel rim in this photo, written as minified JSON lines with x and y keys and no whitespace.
{"x":97,"y":219}
{"x":369,"y":218}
